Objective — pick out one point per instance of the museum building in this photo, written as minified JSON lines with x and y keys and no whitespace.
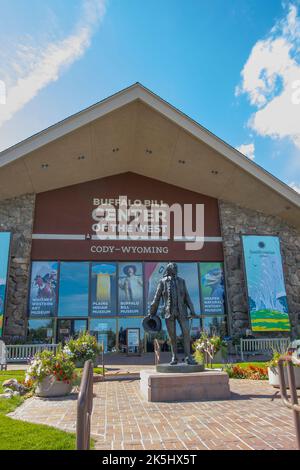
{"x":58,"y":276}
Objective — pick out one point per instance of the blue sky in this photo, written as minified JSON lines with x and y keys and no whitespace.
{"x":229,"y":64}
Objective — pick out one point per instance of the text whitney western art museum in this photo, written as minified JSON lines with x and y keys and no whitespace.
{"x":236,"y":239}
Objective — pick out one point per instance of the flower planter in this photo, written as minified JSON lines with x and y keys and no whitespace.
{"x":274,"y":376}
{"x":50,"y":387}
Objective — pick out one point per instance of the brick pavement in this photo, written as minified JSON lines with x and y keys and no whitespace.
{"x":253,"y":419}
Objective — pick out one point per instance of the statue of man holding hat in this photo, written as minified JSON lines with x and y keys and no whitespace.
{"x":178,"y":307}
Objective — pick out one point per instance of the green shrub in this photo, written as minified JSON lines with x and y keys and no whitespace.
{"x":83,"y":348}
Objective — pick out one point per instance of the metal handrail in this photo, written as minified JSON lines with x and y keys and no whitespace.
{"x":85,"y":408}
{"x":293,"y":403}
{"x":156,"y":351}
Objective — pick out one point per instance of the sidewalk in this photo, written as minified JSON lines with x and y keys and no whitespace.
{"x":254,"y":418}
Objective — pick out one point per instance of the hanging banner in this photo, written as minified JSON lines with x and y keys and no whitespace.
{"x":267,"y":299}
{"x":5,"y":238}
{"x":189,"y":272}
{"x":212,"y":288}
{"x":103,"y":289}
{"x":43,"y":288}
{"x":131,"y":290}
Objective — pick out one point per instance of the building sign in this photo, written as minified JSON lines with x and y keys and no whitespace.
{"x":212,"y":288}
{"x":267,"y":299}
{"x":5,"y":238}
{"x":131,"y":289}
{"x":124,"y":217}
{"x":103,"y":289}
{"x":43,"y":289}
{"x":133,"y":340}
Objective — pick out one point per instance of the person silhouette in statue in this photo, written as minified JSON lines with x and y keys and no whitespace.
{"x":177,"y":307}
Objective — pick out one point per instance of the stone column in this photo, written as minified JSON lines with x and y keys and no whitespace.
{"x":236,"y":221}
{"x":16,"y":216}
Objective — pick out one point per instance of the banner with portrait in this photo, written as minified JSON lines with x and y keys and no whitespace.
{"x":267,"y":299}
{"x":103,"y":289}
{"x":5,"y":238}
{"x":212,"y":288}
{"x":131,"y":289}
{"x":43,"y":289}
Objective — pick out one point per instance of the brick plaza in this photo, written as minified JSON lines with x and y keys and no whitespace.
{"x":254,"y":418}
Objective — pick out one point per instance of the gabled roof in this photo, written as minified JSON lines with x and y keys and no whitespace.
{"x":135,"y":130}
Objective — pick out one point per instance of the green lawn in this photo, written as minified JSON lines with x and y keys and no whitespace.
{"x":19,"y":435}
{"x":241,"y":364}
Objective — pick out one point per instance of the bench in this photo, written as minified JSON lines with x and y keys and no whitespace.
{"x":263,"y":345}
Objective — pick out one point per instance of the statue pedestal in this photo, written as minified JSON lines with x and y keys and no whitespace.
{"x":177,"y":386}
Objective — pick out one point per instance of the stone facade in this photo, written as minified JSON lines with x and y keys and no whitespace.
{"x":235,"y":221}
{"x":16,"y":215}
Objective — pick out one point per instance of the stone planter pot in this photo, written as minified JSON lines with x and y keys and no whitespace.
{"x":221,"y":356}
{"x":274,"y":376}
{"x":50,"y":387}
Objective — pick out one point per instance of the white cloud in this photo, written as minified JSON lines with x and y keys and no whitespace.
{"x":248,"y":150}
{"x":295,"y":187}
{"x":32,"y":68}
{"x":271,"y":79}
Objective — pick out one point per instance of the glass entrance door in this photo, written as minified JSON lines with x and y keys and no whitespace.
{"x":70,"y":328}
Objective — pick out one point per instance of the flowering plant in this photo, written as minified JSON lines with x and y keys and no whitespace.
{"x":47,"y":363}
{"x":207,"y":346}
{"x":277,"y":355}
{"x":250,"y":371}
{"x":83,"y":348}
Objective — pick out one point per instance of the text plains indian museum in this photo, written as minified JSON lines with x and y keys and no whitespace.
{"x":57,"y":277}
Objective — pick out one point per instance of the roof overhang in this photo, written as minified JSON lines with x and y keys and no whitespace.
{"x":135,"y":130}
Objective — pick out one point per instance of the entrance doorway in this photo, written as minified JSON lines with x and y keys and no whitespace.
{"x":70,"y":328}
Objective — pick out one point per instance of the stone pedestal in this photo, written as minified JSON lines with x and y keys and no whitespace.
{"x":194,"y":386}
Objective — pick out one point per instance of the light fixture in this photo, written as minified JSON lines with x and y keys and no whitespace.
{"x":148,"y":151}
{"x":81,"y":157}
{"x":182,"y":162}
{"x":115,"y":149}
{"x":215,"y":172}
{"x":44,"y":166}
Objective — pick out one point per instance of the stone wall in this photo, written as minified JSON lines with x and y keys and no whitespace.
{"x":16,"y":215}
{"x":235,"y":221}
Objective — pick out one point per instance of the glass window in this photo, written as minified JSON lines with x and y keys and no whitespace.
{"x":79,"y":326}
{"x":43,"y":289}
{"x":40,"y":331}
{"x":153,"y":274}
{"x":131,"y":291}
{"x":161,"y":336}
{"x":73,"y":289}
{"x":189,"y":272}
{"x":104,"y":329}
{"x":214,"y":325}
{"x":103,"y":289}
{"x":67,"y":329}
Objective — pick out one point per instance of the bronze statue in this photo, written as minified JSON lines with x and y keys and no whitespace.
{"x":177,"y":307}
